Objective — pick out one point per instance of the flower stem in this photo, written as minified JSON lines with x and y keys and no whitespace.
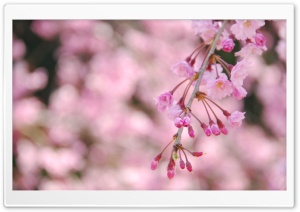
{"x":201,"y":71}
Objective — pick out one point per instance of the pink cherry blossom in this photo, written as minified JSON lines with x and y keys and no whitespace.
{"x":260,"y":39}
{"x":228,"y":45}
{"x":163,"y":101}
{"x":239,"y":72}
{"x":235,"y":119}
{"x":174,"y":111}
{"x":244,"y":29}
{"x":250,"y":49}
{"x":183,"y":69}
{"x":224,"y":36}
{"x":219,"y":88}
{"x":210,"y":75}
{"x":239,"y":92}
{"x":206,"y":29}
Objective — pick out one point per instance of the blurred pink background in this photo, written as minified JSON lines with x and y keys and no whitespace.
{"x":84,"y":115}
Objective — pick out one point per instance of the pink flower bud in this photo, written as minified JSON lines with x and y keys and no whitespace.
{"x":182,"y":164}
{"x":224,"y":130}
{"x":222,"y":127}
{"x":197,"y":154}
{"x":154,"y":164}
{"x":191,"y":131}
{"x":171,"y":169}
{"x":171,"y":174}
{"x":206,"y":129}
{"x":214,"y":128}
{"x":228,"y":45}
{"x":186,"y":121}
{"x":260,"y":40}
{"x":226,"y":113}
{"x":189,"y":166}
{"x":178,"y":122}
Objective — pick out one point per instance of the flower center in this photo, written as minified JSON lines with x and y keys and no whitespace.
{"x":247,"y":24}
{"x":219,"y":84}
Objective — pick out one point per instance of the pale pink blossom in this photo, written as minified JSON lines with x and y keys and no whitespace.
{"x":235,"y":118}
{"x":246,"y":29}
{"x":219,"y":88}
{"x":206,"y":29}
{"x":183,"y":69}
{"x":210,"y":75}
{"x":174,"y":111}
{"x":239,"y":92}
{"x":251,"y":49}
{"x":239,"y":72}
{"x":200,"y":26}
{"x":163,"y":101}
{"x":228,"y":45}
{"x":260,"y":39}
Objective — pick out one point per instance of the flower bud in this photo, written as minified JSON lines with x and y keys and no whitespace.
{"x":228,"y":45}
{"x":191,"y":131}
{"x":214,"y":128}
{"x":178,"y":122}
{"x":206,"y":129}
{"x":182,"y":164}
{"x":189,"y":166}
{"x":197,"y":154}
{"x":260,"y":40}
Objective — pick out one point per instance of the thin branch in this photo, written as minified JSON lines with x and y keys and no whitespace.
{"x":201,"y":71}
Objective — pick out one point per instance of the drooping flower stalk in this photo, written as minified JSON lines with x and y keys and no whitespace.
{"x":201,"y":71}
{"x":218,"y":80}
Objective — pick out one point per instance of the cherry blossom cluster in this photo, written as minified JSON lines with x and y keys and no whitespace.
{"x":216,"y":80}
